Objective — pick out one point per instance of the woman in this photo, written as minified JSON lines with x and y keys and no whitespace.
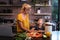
{"x":23,"y":22}
{"x":23,"y":18}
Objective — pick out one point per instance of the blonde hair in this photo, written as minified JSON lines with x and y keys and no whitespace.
{"x":25,"y":6}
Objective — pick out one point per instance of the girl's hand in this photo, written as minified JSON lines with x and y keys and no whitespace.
{"x":40,"y":31}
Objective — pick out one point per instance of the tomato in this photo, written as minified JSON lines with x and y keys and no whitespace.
{"x":37,"y":33}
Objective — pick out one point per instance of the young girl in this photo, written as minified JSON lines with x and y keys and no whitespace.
{"x":40,"y":26}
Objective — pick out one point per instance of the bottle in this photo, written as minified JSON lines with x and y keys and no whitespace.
{"x":49,"y":2}
{"x":38,"y":11}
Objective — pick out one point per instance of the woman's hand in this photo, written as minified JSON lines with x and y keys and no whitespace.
{"x":33,"y":29}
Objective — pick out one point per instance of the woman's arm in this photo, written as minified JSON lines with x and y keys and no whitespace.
{"x":22,"y":27}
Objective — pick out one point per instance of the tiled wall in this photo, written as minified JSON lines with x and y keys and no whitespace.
{"x":45,"y":9}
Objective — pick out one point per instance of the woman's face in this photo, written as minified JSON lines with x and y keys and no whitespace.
{"x":40,"y":21}
{"x":27,"y":10}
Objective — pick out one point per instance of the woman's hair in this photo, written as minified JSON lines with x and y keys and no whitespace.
{"x":25,"y":6}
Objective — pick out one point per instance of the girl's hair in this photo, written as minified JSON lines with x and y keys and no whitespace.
{"x":40,"y":18}
{"x":43,"y":21}
{"x":25,"y":6}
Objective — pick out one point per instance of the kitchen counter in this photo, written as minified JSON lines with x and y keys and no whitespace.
{"x":55,"y":36}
